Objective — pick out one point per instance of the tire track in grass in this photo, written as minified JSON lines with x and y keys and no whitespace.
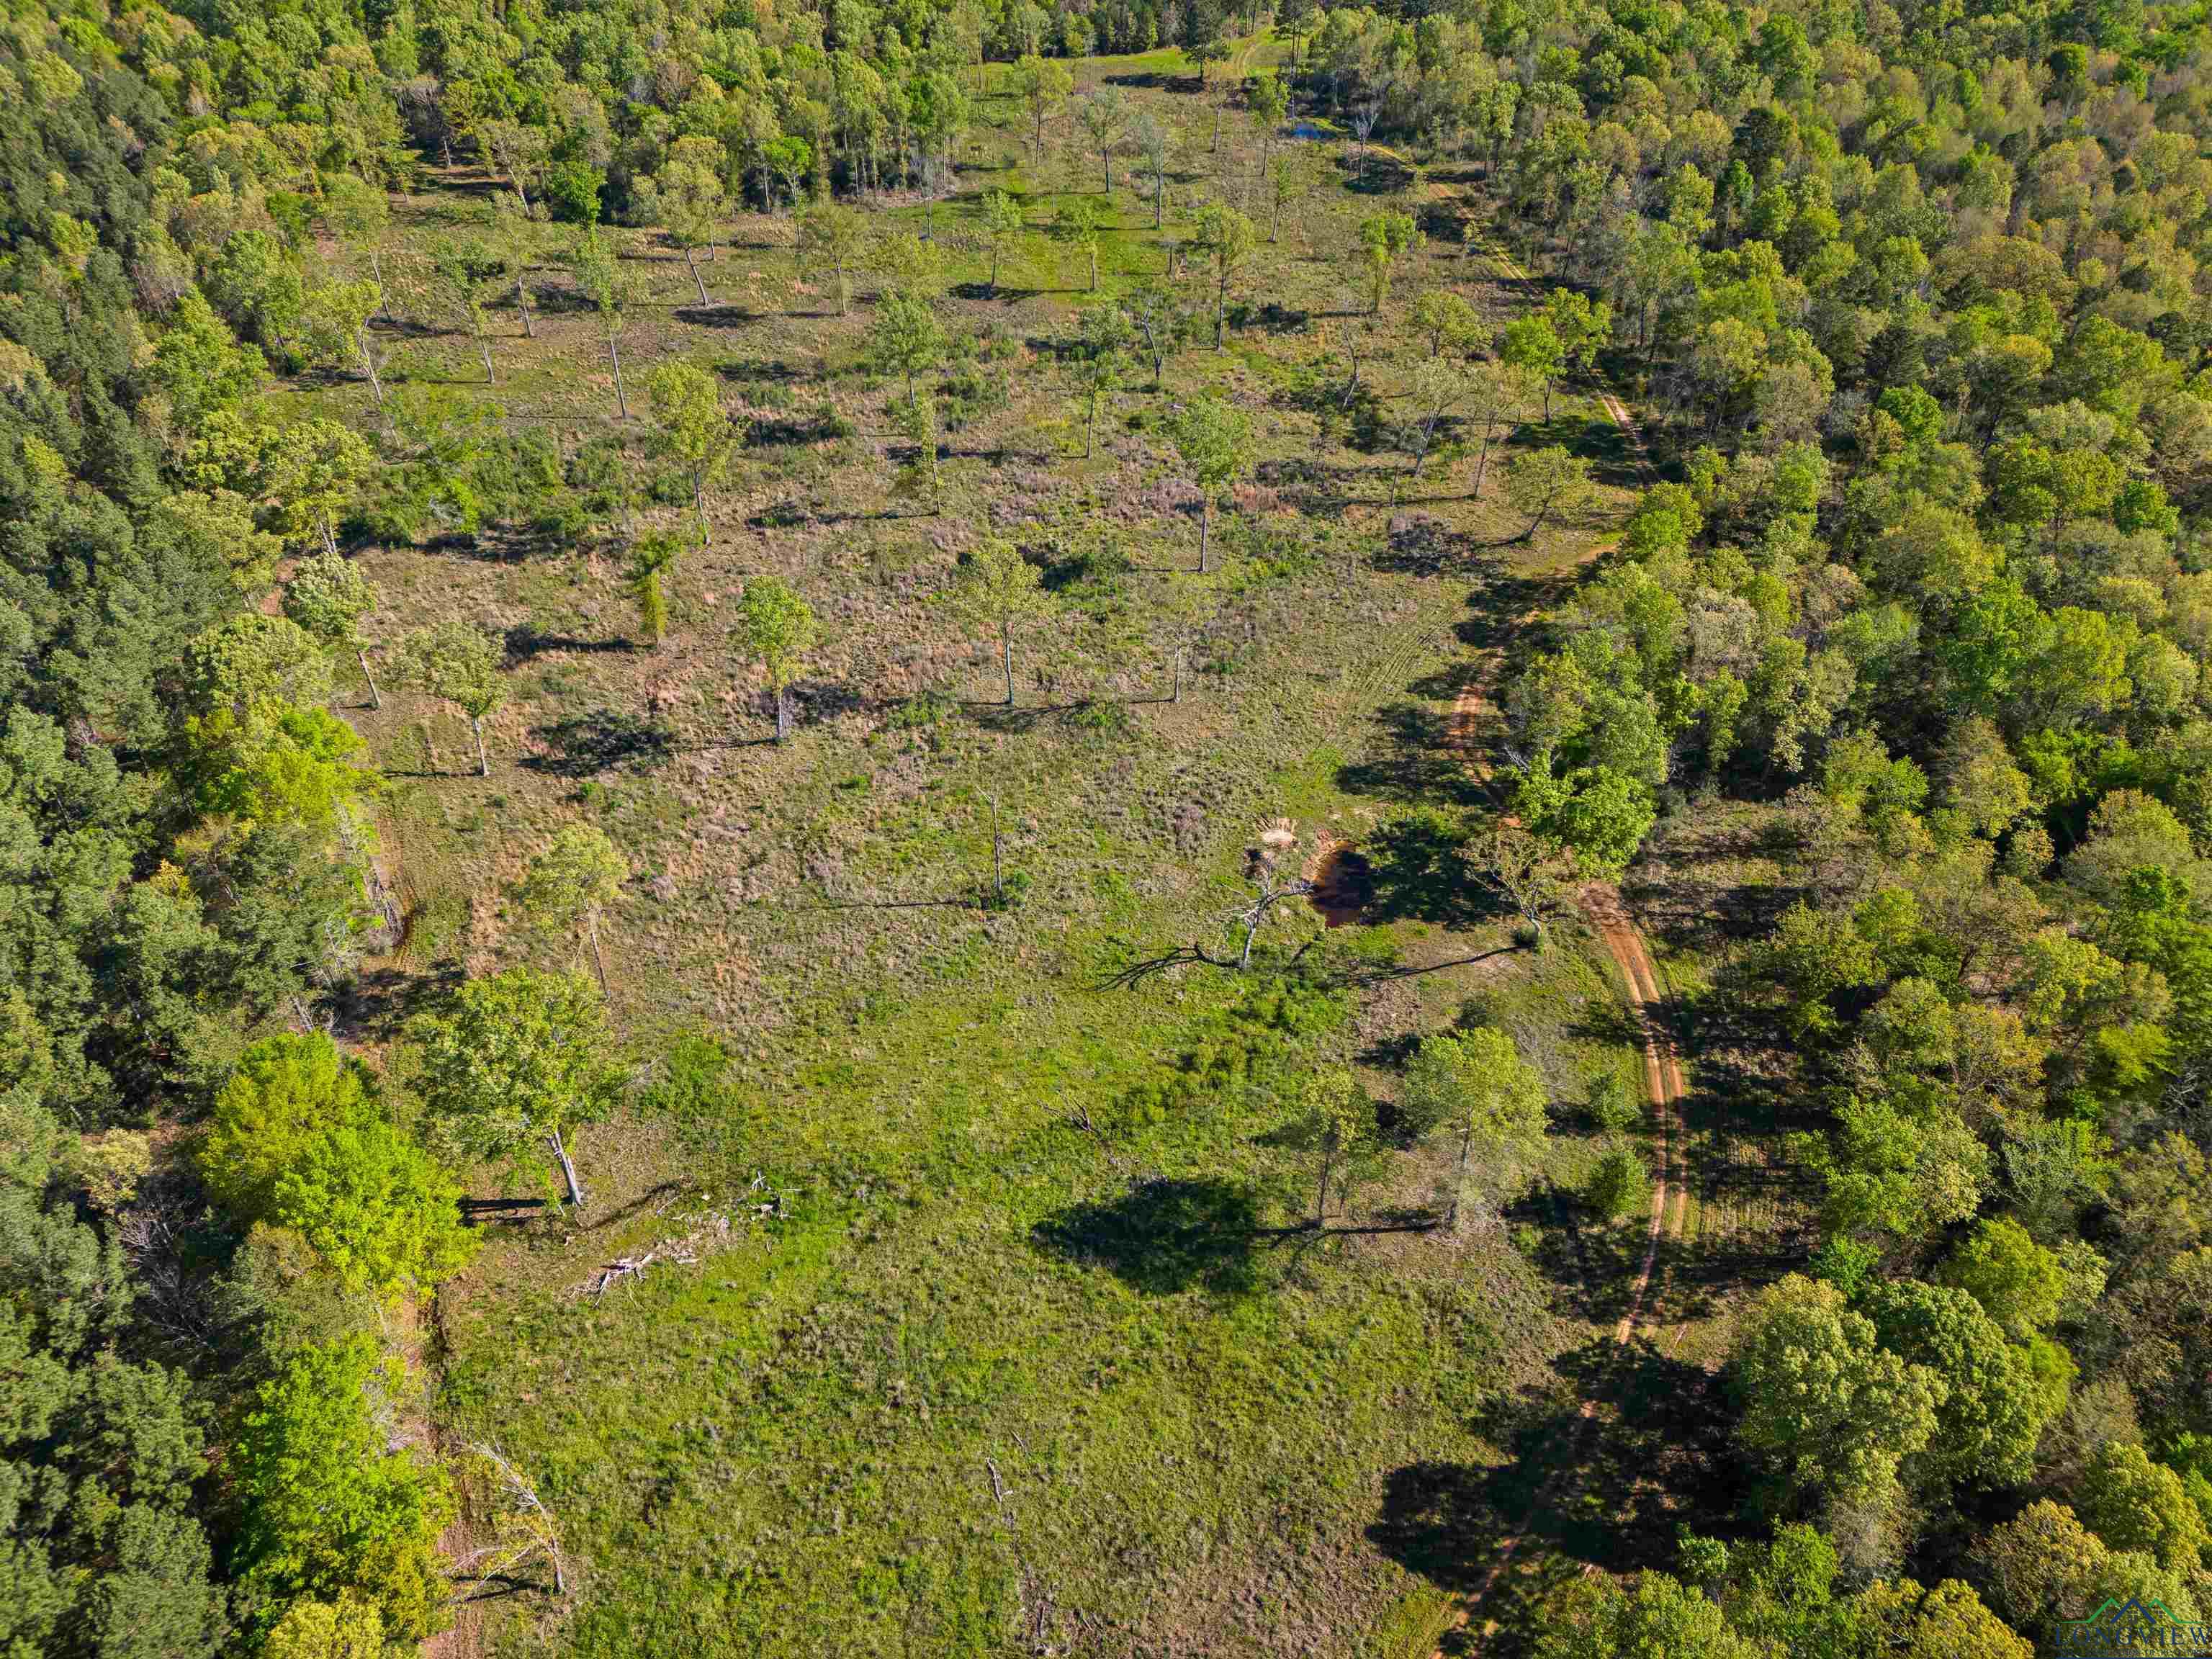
{"x":1664,"y":1081}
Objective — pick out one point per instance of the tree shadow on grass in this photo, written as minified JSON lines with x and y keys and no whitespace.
{"x":1419,"y":871}
{"x":524,"y":641}
{"x":1415,"y":760}
{"x":1607,"y":1490}
{"x":1163,"y":1236}
{"x":590,"y":744}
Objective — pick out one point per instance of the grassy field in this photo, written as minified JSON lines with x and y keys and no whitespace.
{"x":981,"y":1317}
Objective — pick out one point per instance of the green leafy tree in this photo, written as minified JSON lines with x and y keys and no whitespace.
{"x":329,"y":596}
{"x":1475,"y":1086}
{"x":776,"y":629}
{"x":1003,"y":225}
{"x":1825,"y":1408}
{"x":833,"y":240}
{"x":1214,"y":438}
{"x":905,"y":339}
{"x":1581,"y":326}
{"x":326,"y":1511}
{"x":337,"y":319}
{"x":458,"y":663}
{"x":1545,"y":482}
{"x":1532,"y":345}
{"x":2018,"y":1283}
{"x":1098,"y":364}
{"x":652,"y":561}
{"x":514,"y":1064}
{"x":692,"y":428}
{"x":997,"y":587}
{"x":686,"y":198}
{"x":1043,"y":85}
{"x":2134,"y":1504}
{"x":1449,"y":323}
{"x":1104,"y":115}
{"x":601,"y":276}
{"x":1385,"y":239}
{"x":571,"y":882}
{"x":1227,"y":238}
{"x":298,"y":1141}
{"x":1076,"y":223}
{"x":1620,"y":1183}
{"x":1337,"y":1124}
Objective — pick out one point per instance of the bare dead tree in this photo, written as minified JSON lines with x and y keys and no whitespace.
{"x":525,"y":1528}
{"x":1269,"y":888}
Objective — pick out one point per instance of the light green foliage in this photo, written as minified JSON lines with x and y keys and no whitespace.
{"x":347,"y":1628}
{"x":1385,"y":239}
{"x":1004,"y":224}
{"x":1473,"y":1086}
{"x":996,"y":587}
{"x":1226,"y":238}
{"x":1449,"y":323}
{"x":458,"y":663}
{"x":1545,"y":483}
{"x":514,"y":1064}
{"x":2019,"y":1283}
{"x":1076,"y":223}
{"x":833,"y":240}
{"x":1214,"y":439}
{"x":776,"y":628}
{"x":1620,"y":1183}
{"x":579,"y":874}
{"x":298,"y":1141}
{"x":328,"y":596}
{"x":1824,"y":1408}
{"x":2134,"y":1504}
{"x":328,"y":1511}
{"x":693,"y":429}
{"x":905,"y":338}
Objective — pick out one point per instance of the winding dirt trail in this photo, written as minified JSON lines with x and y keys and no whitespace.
{"x":1643,"y":993}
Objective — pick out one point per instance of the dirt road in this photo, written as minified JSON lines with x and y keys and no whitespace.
{"x":1663,"y":1078}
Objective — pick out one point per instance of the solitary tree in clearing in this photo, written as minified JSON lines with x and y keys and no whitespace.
{"x":514,"y":1064}
{"x":833,"y":239}
{"x":1156,"y":154}
{"x":1385,"y":238}
{"x":1475,"y":1086}
{"x":1227,"y":238}
{"x":1104,"y":116}
{"x":1339,"y":1125}
{"x":776,"y":629}
{"x":458,"y":663}
{"x":998,"y":586}
{"x":1002,"y":227}
{"x":602,"y":279}
{"x":1543,"y":482}
{"x":572,"y":882}
{"x":693,"y":428}
{"x":1269,"y":102}
{"x":1078,"y":223}
{"x":1098,"y":364}
{"x":652,"y":563}
{"x":1045,"y":83}
{"x":1214,"y":439}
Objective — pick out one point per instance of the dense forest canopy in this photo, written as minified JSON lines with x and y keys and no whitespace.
{"x":1914,"y":304}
